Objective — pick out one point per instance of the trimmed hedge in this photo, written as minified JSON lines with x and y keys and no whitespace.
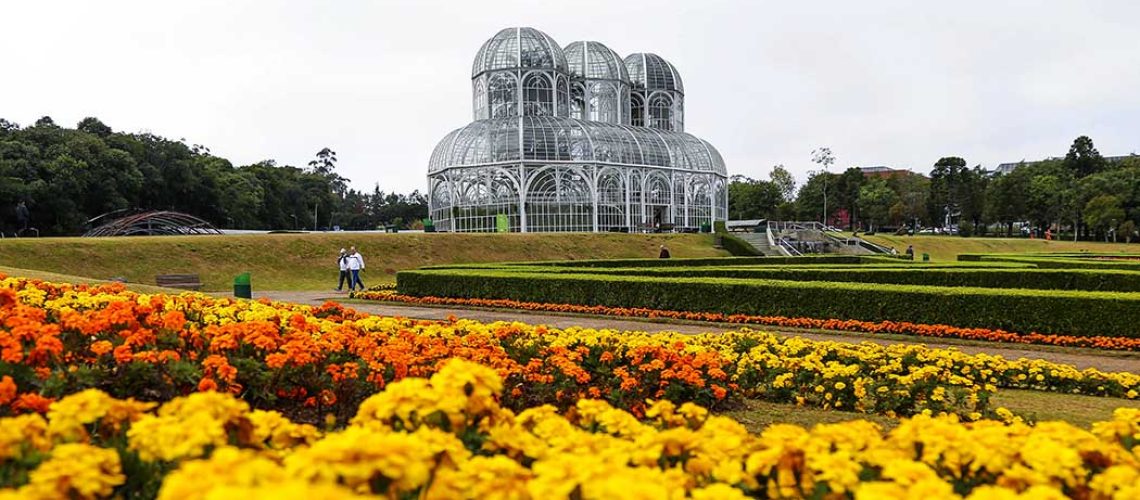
{"x":1043,"y":311}
{"x":686,"y":262}
{"x":1044,"y":279}
{"x":1058,"y":261}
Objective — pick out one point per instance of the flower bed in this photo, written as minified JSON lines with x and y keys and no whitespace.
{"x":872,"y":327}
{"x":450,"y":437}
{"x":59,"y":339}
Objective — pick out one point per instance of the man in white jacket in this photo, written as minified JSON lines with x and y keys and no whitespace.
{"x":355,"y":265}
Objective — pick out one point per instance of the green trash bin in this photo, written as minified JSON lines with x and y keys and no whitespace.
{"x":242,"y":289}
{"x":926,"y":257}
{"x":706,"y":228}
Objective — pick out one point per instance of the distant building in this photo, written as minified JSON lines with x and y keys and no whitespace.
{"x":882,"y":171}
{"x":1005,"y":168}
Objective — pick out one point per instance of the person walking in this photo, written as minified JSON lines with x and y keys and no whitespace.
{"x":355,"y":265}
{"x":664,"y":252}
{"x":342,"y":263}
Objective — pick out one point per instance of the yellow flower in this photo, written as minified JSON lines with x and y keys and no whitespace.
{"x":226,"y":468}
{"x":75,"y":470}
{"x":357,"y":456}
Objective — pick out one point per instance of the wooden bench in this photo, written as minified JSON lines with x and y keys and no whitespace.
{"x":183,"y":281}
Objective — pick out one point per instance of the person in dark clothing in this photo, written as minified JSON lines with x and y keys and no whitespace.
{"x":664,"y":252}
{"x":23,"y":217}
{"x":910,"y":252}
{"x":342,"y":262}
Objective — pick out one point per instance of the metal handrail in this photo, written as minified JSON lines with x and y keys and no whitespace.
{"x":791,"y":250}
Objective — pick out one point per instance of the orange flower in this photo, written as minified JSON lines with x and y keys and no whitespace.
{"x":32,"y":402}
{"x":7,"y":390}
{"x":123,"y":354}
{"x":207,"y":384}
{"x":101,"y":347}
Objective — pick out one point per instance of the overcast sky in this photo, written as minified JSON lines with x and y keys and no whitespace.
{"x":881,"y":83}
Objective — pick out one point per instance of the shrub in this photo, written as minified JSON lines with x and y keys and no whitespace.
{"x":1044,"y":311}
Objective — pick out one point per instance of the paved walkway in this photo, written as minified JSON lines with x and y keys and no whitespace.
{"x":1109,"y":361}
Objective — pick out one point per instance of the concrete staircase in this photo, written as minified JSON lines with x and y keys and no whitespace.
{"x":759,"y":241}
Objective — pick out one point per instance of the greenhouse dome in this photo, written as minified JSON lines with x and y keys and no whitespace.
{"x":574,"y":139}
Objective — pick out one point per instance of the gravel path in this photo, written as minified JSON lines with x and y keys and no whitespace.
{"x":1081,"y":358}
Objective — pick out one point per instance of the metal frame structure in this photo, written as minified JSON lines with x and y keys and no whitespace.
{"x":152,"y":224}
{"x":557,"y":145}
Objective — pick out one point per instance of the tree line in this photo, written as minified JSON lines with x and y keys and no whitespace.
{"x":1082,"y":195}
{"x":58,"y":179}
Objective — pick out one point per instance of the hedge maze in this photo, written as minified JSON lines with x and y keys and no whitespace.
{"x":1070,"y":294}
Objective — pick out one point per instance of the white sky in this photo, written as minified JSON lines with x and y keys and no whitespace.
{"x":896,"y":83}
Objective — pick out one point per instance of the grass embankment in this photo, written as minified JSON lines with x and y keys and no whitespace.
{"x":1040,"y":406}
{"x":948,"y":247}
{"x":308,"y":261}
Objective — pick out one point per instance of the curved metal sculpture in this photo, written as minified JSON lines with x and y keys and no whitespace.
{"x":153,"y":224}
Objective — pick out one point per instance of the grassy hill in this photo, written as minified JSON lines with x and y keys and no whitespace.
{"x":308,"y":261}
{"x":948,"y":247}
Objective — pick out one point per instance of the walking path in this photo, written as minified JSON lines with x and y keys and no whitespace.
{"x":1081,"y":358}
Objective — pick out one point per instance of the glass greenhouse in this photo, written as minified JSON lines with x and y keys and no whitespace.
{"x":574,"y":139}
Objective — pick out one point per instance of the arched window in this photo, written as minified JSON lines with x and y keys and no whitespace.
{"x":604,"y":106}
{"x":661,"y":112}
{"x":563,"y":92}
{"x":480,"y":101}
{"x":637,"y":110}
{"x":577,"y":101}
{"x":538,"y":95}
{"x":504,"y":95}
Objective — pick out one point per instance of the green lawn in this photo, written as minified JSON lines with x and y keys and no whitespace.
{"x":1040,"y":406}
{"x":948,"y":247}
{"x":308,"y":261}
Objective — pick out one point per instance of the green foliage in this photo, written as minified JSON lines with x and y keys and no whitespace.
{"x":809,"y":200}
{"x":1042,"y":279}
{"x":1083,"y":159}
{"x":752,"y":199}
{"x":875,"y":201}
{"x":1103,"y":212}
{"x":68,"y":176}
{"x":1069,"y":312}
{"x":1126,"y":262}
{"x":738,"y":247}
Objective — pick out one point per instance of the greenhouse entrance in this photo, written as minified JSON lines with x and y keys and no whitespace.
{"x":659,"y":216}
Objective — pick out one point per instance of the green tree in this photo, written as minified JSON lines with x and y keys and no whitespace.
{"x":824,"y":158}
{"x":810,"y":200}
{"x":847,"y":193}
{"x":784,"y":181}
{"x":1083,"y":159}
{"x":949,"y":183}
{"x":912,"y":191}
{"x":875,"y":201}
{"x":92,"y":125}
{"x":1006,"y":197}
{"x":752,"y":199}
{"x":1103,"y":213}
{"x":1127,"y":229}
